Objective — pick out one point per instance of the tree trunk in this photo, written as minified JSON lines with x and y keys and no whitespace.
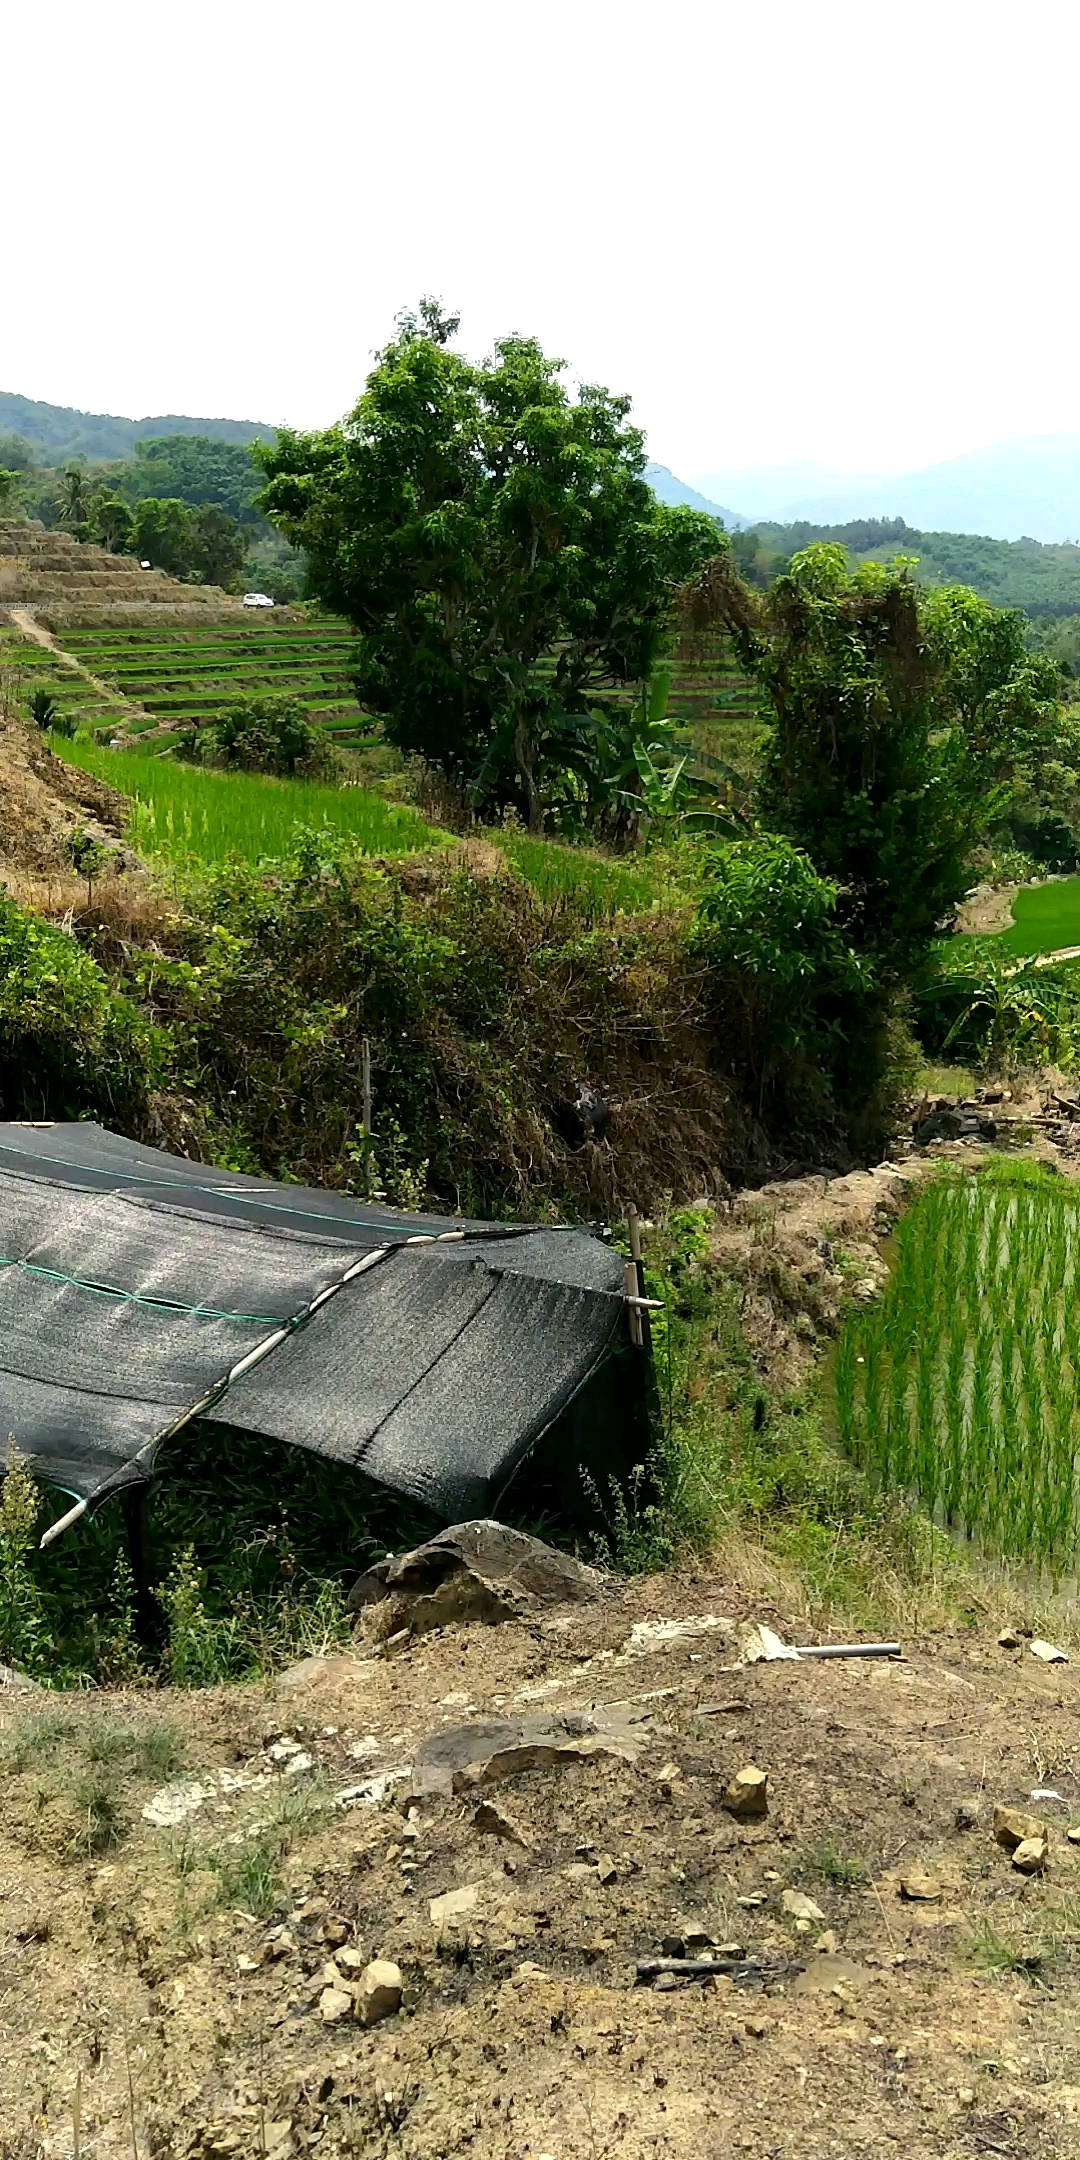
{"x":523,"y":755}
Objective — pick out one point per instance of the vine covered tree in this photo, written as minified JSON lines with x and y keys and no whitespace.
{"x":902,"y":721}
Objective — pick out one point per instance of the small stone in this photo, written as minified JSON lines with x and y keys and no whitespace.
{"x":757,"y":2027}
{"x":967,"y":1815}
{"x":665,"y":1983}
{"x":747,"y":1796}
{"x":379,"y":1993}
{"x":1008,"y":1639}
{"x":247,"y":1964}
{"x":826,"y":1944}
{"x":826,"y":1974}
{"x":1013,"y":1827}
{"x":334,"y":1930}
{"x":800,"y":1906}
{"x":335,"y":2003}
{"x":454,"y":1903}
{"x":966,"y":2096}
{"x":606,"y":1868}
{"x":282,"y":1750}
{"x":1029,"y":1857}
{"x":1073,"y":1835}
{"x":349,"y":1960}
{"x":919,"y":1889}
{"x":1048,"y":1652}
{"x":669,"y":1775}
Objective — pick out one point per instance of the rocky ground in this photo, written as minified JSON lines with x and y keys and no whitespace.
{"x":192,"y":1886}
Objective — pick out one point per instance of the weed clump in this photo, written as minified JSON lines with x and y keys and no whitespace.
{"x":23,"y":1621}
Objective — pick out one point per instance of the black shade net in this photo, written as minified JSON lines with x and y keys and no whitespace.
{"x":133,"y":1284}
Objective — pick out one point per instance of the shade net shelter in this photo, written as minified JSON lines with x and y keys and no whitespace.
{"x":139,"y":1291}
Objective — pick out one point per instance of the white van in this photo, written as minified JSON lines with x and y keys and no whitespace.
{"x":257,"y":599}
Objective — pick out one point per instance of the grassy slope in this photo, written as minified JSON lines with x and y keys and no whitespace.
{"x":192,"y":815}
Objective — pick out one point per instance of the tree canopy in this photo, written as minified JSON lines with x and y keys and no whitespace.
{"x":903,"y":721}
{"x":507,"y":568}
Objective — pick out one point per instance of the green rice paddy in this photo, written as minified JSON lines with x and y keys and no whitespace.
{"x":962,"y":1386}
{"x":1046,"y":918}
{"x":195,"y":816}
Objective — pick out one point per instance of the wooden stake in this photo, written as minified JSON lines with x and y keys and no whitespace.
{"x":644,"y":1330}
{"x":365,"y":1049}
{"x":633,"y":1307}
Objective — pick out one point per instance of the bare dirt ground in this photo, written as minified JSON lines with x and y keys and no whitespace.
{"x":987,"y":909}
{"x":45,"y":800}
{"x":945,"y":2023}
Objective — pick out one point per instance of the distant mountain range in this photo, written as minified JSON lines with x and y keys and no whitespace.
{"x":668,"y":489}
{"x":60,"y":431}
{"x":1025,"y":489}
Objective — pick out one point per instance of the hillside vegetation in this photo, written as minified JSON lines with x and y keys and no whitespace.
{"x":1043,"y":579}
{"x":626,"y":877}
{"x":56,"y":432}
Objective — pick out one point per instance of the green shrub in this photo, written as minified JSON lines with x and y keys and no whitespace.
{"x":44,"y":710}
{"x":785,"y":980}
{"x":201,"y":1649}
{"x":266,"y":735}
{"x":69,"y":1046}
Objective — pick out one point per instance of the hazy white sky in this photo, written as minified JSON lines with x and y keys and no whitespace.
{"x":836,"y":231}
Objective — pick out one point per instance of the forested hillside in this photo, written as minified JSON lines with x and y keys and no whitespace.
{"x":183,"y":501}
{"x":1042,"y":579}
{"x":56,"y":432}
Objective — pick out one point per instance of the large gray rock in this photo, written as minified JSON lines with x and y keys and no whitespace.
{"x":475,"y":1571}
{"x":17,"y":1682}
{"x":485,"y":1753}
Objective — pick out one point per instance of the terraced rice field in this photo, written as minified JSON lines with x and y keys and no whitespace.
{"x":181,"y":674}
{"x":714,"y":705}
{"x":26,"y":667}
{"x":962,"y":1386}
{"x":194,"y":817}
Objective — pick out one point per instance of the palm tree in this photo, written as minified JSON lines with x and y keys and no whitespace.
{"x":73,"y":497}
